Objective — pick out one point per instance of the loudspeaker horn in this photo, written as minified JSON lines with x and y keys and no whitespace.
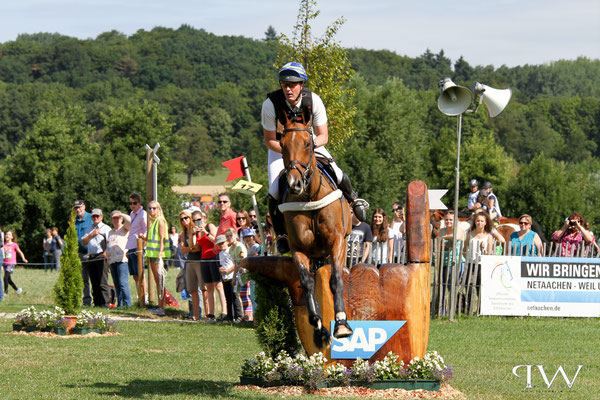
{"x":495,"y":100}
{"x":453,"y":99}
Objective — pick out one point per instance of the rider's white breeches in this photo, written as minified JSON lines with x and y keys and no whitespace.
{"x":276,"y":166}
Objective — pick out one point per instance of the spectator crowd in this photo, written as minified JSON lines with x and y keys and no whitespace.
{"x":207,"y":256}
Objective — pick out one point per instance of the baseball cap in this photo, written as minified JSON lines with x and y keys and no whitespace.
{"x":220,"y":239}
{"x":77,"y":203}
{"x":97,"y":211}
{"x":248,"y":232}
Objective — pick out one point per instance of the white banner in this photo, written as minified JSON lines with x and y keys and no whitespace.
{"x":540,"y":286}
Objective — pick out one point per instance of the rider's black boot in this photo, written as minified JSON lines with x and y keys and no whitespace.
{"x":281,"y":241}
{"x":360,"y":206}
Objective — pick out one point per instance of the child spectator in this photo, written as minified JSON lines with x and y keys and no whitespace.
{"x":237,"y":251}
{"x":10,"y":260}
{"x":247,"y":288}
{"x":226,"y":269}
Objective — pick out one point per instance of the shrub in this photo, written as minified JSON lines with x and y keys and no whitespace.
{"x":275,"y":324}
{"x":68,"y":290}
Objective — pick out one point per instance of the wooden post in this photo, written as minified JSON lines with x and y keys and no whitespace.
{"x":150,"y":195}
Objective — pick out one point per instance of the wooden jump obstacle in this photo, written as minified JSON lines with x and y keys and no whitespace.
{"x":395,"y":292}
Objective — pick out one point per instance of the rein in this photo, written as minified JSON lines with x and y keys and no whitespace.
{"x":307,"y":174}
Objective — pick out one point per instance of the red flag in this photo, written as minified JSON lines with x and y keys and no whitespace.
{"x":235,"y":166}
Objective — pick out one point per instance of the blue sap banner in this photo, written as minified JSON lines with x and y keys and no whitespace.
{"x":368,"y":337}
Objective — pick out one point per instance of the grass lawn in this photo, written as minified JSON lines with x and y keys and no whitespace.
{"x":195,"y":361}
{"x":217,"y":179}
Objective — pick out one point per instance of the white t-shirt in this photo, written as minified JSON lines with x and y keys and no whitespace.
{"x":269,"y":120}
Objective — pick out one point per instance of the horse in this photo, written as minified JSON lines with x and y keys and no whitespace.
{"x":315,"y":230}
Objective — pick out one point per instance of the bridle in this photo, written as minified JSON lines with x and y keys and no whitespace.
{"x":308,"y":173}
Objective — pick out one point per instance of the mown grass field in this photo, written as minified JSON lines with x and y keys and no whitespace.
{"x":205,"y":179}
{"x":181,"y":360}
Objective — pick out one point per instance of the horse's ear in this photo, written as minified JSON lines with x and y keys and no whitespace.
{"x":307,"y":116}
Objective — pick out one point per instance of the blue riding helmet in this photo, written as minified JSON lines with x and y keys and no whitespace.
{"x":292,"y":72}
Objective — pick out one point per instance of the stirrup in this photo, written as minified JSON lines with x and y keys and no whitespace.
{"x":282,"y":245}
{"x":360,"y":207}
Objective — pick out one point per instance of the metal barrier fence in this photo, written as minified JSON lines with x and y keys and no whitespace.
{"x":467,"y":285}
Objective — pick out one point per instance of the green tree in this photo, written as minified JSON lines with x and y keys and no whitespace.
{"x":196,"y":151}
{"x":270,"y":34}
{"x":328,"y":69}
{"x":544,"y":190}
{"x":68,"y":289}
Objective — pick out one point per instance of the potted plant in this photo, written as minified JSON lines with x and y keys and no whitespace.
{"x":421,"y":373}
{"x":69,"y":287}
{"x":26,"y":320}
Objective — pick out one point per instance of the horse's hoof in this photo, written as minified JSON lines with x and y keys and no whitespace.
{"x":282,"y":244}
{"x":321,"y":337}
{"x":360,"y":208}
{"x":341,"y":329}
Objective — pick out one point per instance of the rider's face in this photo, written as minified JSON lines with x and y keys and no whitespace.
{"x":291,"y":90}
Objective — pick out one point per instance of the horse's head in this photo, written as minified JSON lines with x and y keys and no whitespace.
{"x":297,"y":149}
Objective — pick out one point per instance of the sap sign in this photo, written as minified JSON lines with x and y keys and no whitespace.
{"x":368,"y":337}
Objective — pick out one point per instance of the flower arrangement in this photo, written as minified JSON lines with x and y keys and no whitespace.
{"x":27,"y":317}
{"x":311,"y":372}
{"x":95,"y":320}
{"x":41,"y":319}
{"x":30,"y":317}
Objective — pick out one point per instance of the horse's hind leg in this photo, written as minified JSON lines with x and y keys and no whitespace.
{"x":336,"y":283}
{"x":321,"y":335}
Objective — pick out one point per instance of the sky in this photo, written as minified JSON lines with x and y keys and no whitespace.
{"x":498,"y":32}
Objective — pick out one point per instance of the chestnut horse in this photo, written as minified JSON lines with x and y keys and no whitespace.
{"x":316,"y":228}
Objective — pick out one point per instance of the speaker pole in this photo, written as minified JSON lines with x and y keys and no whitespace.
{"x":454,"y":265}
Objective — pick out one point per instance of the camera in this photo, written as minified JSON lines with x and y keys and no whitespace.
{"x":571,"y":223}
{"x":198,"y":223}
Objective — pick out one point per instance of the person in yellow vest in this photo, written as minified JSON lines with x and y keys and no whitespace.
{"x":157,"y":248}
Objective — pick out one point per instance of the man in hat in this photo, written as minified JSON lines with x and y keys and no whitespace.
{"x":83,"y":221}
{"x":96,"y":239}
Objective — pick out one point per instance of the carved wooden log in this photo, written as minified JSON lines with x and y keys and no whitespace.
{"x":396,"y":292}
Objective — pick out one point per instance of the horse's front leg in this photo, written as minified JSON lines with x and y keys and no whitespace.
{"x":336,"y":283}
{"x":321,"y":335}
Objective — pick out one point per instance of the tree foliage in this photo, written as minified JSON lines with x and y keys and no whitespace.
{"x":327,"y":66}
{"x":75,"y":116}
{"x":68,"y":290}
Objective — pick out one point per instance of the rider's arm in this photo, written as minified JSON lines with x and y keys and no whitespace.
{"x":322,"y":133}
{"x":271,"y":141}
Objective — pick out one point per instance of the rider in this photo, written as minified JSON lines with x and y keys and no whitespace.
{"x":293,"y":96}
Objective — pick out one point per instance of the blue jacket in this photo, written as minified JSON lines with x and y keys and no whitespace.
{"x":81,"y":226}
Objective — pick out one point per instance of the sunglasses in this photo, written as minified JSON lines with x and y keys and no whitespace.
{"x":133,"y":203}
{"x":238,"y":218}
{"x":196,"y":220}
{"x":396,"y":209}
{"x":290,"y":84}
{"x":223,"y":201}
{"x":152,"y":208}
{"x":184,"y":218}
{"x":252,"y":216}
{"x":96,"y":216}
